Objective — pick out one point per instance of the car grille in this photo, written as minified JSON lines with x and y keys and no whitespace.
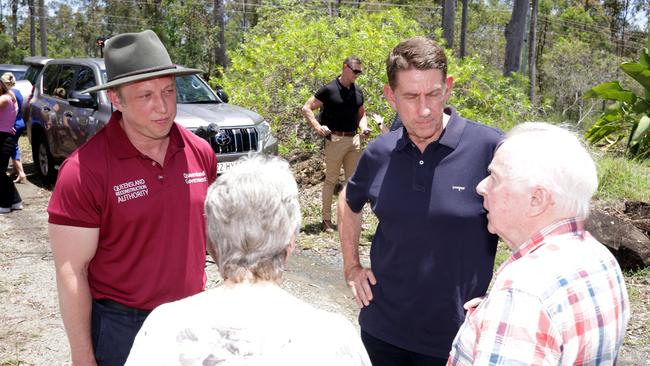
{"x":235,"y":140}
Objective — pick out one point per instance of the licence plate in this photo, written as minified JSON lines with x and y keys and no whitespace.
{"x":226,"y":166}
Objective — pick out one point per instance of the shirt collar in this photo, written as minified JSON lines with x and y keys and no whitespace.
{"x":574,"y":226}
{"x":341,"y":86}
{"x":122,"y":146}
{"x":450,"y":136}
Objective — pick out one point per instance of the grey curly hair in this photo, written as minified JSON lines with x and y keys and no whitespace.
{"x":252,"y":218}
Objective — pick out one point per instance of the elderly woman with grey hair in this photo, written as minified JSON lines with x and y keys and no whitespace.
{"x":253,"y":218}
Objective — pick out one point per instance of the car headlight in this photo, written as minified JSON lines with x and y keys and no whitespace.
{"x":264,"y":129}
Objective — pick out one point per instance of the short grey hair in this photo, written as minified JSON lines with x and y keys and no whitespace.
{"x":541,"y":154}
{"x":252,"y":214}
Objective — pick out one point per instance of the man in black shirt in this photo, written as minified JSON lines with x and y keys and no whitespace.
{"x":341,"y":115}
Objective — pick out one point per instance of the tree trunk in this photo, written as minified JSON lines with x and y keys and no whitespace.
{"x":41,"y":8}
{"x":254,"y":17}
{"x":532,"y":52}
{"x":515,"y":37}
{"x":32,"y":27}
{"x":448,"y":17}
{"x":220,"y":51}
{"x":14,"y":21}
{"x":463,"y":30}
{"x":244,"y":18}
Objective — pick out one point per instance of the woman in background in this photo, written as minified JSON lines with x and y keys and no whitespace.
{"x":10,"y":80}
{"x":9,"y":197}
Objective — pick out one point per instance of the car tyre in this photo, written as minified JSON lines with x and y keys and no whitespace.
{"x":44,"y":160}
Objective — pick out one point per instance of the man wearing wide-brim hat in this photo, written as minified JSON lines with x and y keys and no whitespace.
{"x":126,"y":216}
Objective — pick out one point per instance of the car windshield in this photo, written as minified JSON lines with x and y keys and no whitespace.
{"x":18,"y":74}
{"x":191,"y":89}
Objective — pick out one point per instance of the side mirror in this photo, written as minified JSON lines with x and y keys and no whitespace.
{"x":222,"y":95}
{"x":82,"y":100}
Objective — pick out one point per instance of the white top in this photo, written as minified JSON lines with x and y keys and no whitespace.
{"x":246,"y":324}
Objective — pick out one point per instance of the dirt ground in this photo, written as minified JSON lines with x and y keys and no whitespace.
{"x":31,"y":331}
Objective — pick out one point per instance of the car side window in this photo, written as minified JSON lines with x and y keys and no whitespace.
{"x":31,"y":74}
{"x":50,"y":78}
{"x":85,"y":79}
{"x":66,"y":78}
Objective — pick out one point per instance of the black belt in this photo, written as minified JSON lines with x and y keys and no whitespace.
{"x":111,"y":304}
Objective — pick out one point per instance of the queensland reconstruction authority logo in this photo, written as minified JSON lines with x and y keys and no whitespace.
{"x":222,"y":139}
{"x":131,"y":190}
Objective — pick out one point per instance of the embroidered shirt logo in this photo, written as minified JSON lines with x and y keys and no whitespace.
{"x":458,"y":188}
{"x":196,"y":177}
{"x":131,"y":190}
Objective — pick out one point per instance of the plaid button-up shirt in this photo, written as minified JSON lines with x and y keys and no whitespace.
{"x":560,"y":299}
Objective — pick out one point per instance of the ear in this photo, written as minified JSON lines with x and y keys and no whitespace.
{"x":541,"y":200}
{"x":115,"y":99}
{"x":390,"y":97}
{"x":449,"y":84}
{"x":291,"y":246}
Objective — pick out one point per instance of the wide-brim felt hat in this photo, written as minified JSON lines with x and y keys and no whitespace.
{"x":133,"y":57}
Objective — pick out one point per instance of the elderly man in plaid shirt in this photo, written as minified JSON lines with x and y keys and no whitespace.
{"x":560,"y":298}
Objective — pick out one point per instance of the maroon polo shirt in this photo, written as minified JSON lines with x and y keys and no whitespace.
{"x":151,"y":247}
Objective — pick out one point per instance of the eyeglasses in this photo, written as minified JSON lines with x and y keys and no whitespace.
{"x":355,"y":71}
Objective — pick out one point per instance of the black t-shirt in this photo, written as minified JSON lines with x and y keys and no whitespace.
{"x":340,"y":106}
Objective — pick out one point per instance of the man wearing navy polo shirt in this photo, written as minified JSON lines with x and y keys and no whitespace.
{"x":432,"y":251}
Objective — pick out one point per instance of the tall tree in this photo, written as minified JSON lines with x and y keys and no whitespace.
{"x":515,"y":37}
{"x":463,"y":30}
{"x":532,"y":52}
{"x":220,"y":22}
{"x":42,"y":22}
{"x":14,"y":21}
{"x":448,"y":17}
{"x":32,"y":27}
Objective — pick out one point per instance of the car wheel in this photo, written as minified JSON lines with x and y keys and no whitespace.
{"x":44,"y":160}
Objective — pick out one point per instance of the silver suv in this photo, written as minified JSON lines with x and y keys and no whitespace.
{"x":62,"y":118}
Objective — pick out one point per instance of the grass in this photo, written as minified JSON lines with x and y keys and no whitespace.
{"x":623,"y":179}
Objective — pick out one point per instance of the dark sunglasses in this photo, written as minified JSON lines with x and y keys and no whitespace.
{"x":355,"y":71}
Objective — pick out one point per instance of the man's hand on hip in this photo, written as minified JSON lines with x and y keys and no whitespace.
{"x":324,"y":131}
{"x":359,"y":280}
{"x":365,"y":133}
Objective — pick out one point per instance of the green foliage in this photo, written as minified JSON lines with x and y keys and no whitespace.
{"x":287,"y":57}
{"x":8,"y":53}
{"x":622,"y":179}
{"x":564,"y":89}
{"x":629,"y":114}
{"x":485,"y":95}
{"x":190,"y":36}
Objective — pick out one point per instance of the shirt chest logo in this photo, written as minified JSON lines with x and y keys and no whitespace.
{"x":131,"y":190}
{"x":195,"y":177}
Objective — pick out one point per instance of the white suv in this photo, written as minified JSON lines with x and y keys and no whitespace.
{"x":62,"y":118}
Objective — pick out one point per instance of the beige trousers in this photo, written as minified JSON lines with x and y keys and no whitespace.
{"x":339,"y":151}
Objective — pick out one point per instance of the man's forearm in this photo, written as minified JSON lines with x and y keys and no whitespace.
{"x":311,"y":118}
{"x":76,"y":304}
{"x":349,"y":232}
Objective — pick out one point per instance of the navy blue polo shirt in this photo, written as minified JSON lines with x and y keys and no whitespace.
{"x":432,"y":251}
